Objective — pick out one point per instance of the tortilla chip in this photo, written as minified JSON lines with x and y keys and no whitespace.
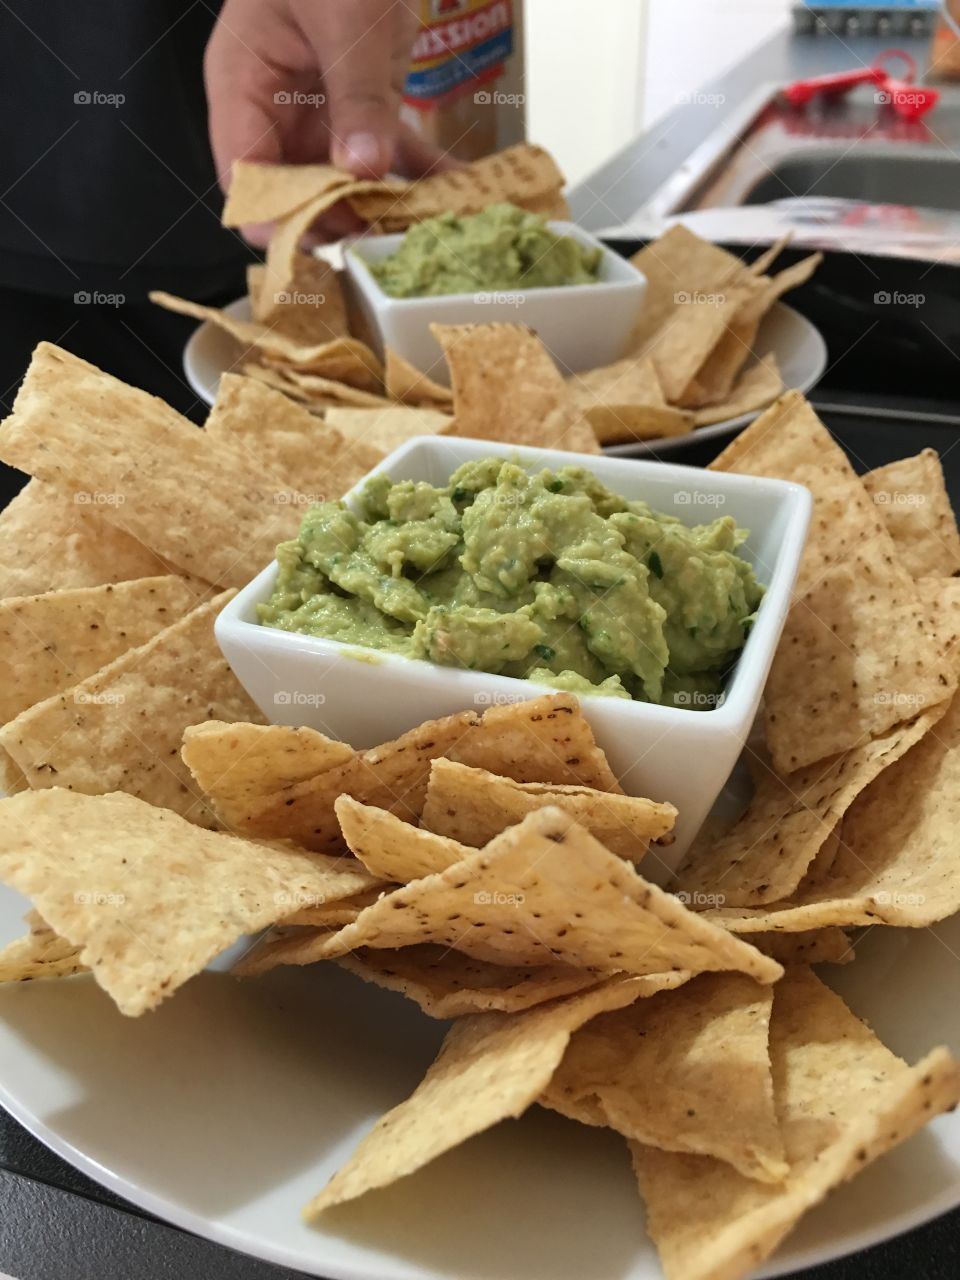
{"x":507,"y":387}
{"x":490,"y":1066}
{"x":410,"y":386}
{"x":686,"y":1070}
{"x":287,"y":440}
{"x":11,"y":776}
{"x":473,"y":805}
{"x":383,"y":430}
{"x":49,"y":642}
{"x":448,"y":984}
{"x":811,"y":946}
{"x":343,"y":358}
{"x":148,"y":898}
{"x":52,"y":540}
{"x":842,"y":1100}
{"x":756,"y":387}
{"x":120,"y":729}
{"x":311,"y":389}
{"x":196,"y":502}
{"x":391,"y":848}
{"x":519,"y":174}
{"x":41,"y":953}
{"x":543,"y":739}
{"x":265,"y":192}
{"x":544,"y":892}
{"x":855,"y":658}
{"x":311,"y":309}
{"x":236,"y":765}
{"x":715,"y":378}
{"x":256,"y":273}
{"x":767,"y":853}
{"x":764,"y":261}
{"x":911,"y":497}
{"x":632,"y":380}
{"x":789,"y":442}
{"x":621,"y":423}
{"x":897,"y":860}
{"x":333,"y":915}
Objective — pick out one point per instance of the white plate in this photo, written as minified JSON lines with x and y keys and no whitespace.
{"x":801,"y":358}
{"x":232,"y":1104}
{"x":798,"y":345}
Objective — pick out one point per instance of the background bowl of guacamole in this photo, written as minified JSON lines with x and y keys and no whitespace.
{"x":682,"y":753}
{"x":511,"y":266}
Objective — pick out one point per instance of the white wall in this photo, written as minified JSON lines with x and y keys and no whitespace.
{"x":599,"y":71}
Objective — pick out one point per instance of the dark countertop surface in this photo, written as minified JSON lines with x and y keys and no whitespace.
{"x":55,"y":1223}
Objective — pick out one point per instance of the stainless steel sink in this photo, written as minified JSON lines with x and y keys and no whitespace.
{"x":857,"y":149}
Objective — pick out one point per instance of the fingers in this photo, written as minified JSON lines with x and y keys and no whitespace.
{"x":364,"y":49}
{"x":240,"y":91}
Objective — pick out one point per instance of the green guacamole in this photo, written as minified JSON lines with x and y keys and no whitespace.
{"x":550,"y":577}
{"x":501,"y":249}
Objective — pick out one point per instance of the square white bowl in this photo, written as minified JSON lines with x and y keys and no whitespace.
{"x":581,"y":325}
{"x":365,"y":697}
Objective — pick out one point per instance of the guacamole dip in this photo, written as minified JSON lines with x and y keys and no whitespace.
{"x":501,"y":249}
{"x":551,"y":577}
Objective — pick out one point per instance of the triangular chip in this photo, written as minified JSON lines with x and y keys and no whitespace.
{"x":544,"y":892}
{"x":408,"y":385}
{"x":683,"y":1071}
{"x":51,"y":540}
{"x":265,"y":192}
{"x":238,"y":764}
{"x":51,"y":641}
{"x":757,"y":386}
{"x":387,"y":428}
{"x":507,"y":387}
{"x":545,"y":739}
{"x":911,"y":497}
{"x":489,"y":1067}
{"x":149,"y":898}
{"x":448,"y":984}
{"x":391,"y":848}
{"x":120,"y":728}
{"x":288,"y":440}
{"x":473,"y":805}
{"x":196,"y":502}
{"x":311,"y":309}
{"x":41,"y":953}
{"x":842,"y":1101}
{"x":311,"y":389}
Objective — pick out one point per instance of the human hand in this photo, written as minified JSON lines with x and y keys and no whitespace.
{"x":305,"y":81}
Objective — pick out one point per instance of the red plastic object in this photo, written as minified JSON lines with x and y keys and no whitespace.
{"x":910,"y":101}
{"x":801,"y":92}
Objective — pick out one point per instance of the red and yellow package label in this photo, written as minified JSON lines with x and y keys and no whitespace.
{"x":461,"y":43}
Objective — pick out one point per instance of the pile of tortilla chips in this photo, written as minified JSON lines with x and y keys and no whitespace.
{"x":487,"y":867}
{"x":689,"y":363}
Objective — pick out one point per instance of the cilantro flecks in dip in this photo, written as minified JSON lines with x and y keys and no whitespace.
{"x":500,"y":249}
{"x":550,"y":577}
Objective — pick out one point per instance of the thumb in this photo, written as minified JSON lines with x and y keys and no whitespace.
{"x":364,"y":67}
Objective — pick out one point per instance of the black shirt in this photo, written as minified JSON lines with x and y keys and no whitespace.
{"x":106,"y":176}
